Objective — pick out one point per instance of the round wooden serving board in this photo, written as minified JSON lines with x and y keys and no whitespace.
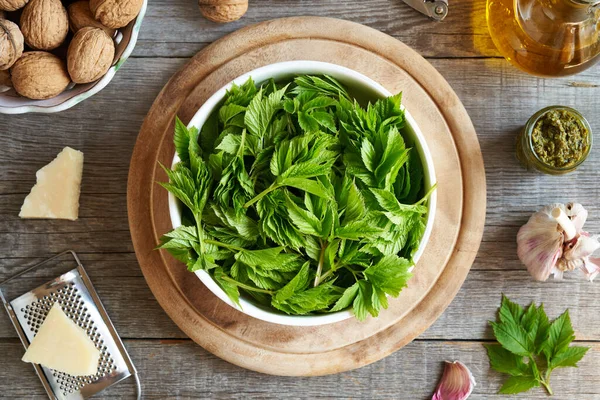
{"x":458,"y":227}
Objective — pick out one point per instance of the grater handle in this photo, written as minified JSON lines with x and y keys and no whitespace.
{"x":36,"y":266}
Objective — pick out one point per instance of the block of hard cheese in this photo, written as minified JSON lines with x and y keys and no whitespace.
{"x":62,"y":345}
{"x":56,"y":192}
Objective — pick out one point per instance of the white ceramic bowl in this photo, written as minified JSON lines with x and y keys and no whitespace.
{"x":358,"y":83}
{"x":12,"y":103}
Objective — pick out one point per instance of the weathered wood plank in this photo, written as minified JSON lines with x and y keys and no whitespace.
{"x":512,"y":194}
{"x":136,"y":313}
{"x":183,"y":370}
{"x":176,"y":28}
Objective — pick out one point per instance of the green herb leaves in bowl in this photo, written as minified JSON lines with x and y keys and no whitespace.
{"x":297,"y":196}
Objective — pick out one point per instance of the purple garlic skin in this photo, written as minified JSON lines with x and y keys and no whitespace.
{"x":457,"y":382}
{"x":553,"y":241}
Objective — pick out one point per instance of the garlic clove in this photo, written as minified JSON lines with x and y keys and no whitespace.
{"x":539,"y":244}
{"x":583,"y":247}
{"x":578,"y":215}
{"x":457,"y":382}
{"x":591,"y":268}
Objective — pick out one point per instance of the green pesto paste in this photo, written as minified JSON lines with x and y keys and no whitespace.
{"x":560,"y":139}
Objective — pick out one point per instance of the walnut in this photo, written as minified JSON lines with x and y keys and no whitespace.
{"x":11,"y":43}
{"x":12,"y":5}
{"x":223,"y":10}
{"x":39,"y":75}
{"x":115,"y":13}
{"x":90,"y":55}
{"x":45,"y":24}
{"x":5,"y":82}
{"x":81,"y":16}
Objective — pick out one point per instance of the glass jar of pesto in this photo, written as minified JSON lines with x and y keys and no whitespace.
{"x":555,"y":140}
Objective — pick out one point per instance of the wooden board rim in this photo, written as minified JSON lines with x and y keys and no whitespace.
{"x":467,"y":244}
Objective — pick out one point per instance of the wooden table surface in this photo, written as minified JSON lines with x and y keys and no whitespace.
{"x":499,"y":100}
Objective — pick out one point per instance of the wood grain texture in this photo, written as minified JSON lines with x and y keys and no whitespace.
{"x":499,"y":100}
{"x":463,"y":33}
{"x":181,"y":369}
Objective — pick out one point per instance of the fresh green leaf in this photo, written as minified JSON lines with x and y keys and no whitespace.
{"x":569,"y":357}
{"x":261,"y":110}
{"x":513,"y":338}
{"x":297,"y":284}
{"x":506,"y":362}
{"x":181,"y":140}
{"x":510,"y":312}
{"x":528,"y":333}
{"x":363,"y":303}
{"x":518,"y":384}
{"x":390,"y":274}
{"x":561,"y":334}
{"x":347,"y":298}
{"x":229,"y":288}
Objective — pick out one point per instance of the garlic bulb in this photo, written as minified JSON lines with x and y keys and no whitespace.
{"x":457,"y":382}
{"x":553,"y":241}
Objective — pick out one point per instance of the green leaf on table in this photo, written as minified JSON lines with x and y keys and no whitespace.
{"x":528,"y":333}
{"x":513,"y":337}
{"x":506,"y":362}
{"x":569,"y":357}
{"x":560,"y":335}
{"x":510,"y":312}
{"x":518,"y":384}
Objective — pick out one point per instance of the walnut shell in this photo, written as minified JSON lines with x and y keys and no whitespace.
{"x":11,"y":43}
{"x":81,"y":16}
{"x":90,"y":55}
{"x":223,"y":10}
{"x":12,"y":5}
{"x":45,"y":24}
{"x":39,"y":75}
{"x":115,"y":13}
{"x":5,"y":82}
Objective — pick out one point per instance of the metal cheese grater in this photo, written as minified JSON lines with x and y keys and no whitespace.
{"x":78,"y":299}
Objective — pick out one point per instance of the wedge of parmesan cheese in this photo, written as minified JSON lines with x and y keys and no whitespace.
{"x":56,"y":192}
{"x":62,"y":345}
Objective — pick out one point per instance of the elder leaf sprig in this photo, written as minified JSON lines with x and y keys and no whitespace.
{"x":300,"y":198}
{"x":530,"y":346}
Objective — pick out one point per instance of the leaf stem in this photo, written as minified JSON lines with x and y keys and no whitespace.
{"x":547,"y":386}
{"x":200,"y":233}
{"x":246,"y":287}
{"x":320,"y":266}
{"x":545,"y":381}
{"x":225,"y":245}
{"x":427,"y":195}
{"x":262,"y":194}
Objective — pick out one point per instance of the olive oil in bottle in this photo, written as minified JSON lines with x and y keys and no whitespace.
{"x":546,"y":37}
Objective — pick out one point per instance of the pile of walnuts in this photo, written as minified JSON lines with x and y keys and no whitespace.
{"x":38,"y":56}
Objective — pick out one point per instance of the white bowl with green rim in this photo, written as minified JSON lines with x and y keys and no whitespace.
{"x":125,"y":40}
{"x":364,"y":88}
